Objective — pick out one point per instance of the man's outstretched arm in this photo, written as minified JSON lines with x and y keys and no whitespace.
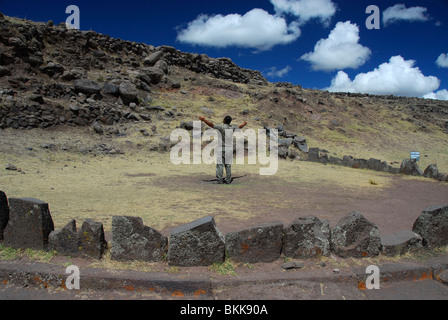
{"x":210,"y":124}
{"x":243,"y":125}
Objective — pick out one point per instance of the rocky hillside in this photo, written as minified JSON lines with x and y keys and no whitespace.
{"x":54,"y":77}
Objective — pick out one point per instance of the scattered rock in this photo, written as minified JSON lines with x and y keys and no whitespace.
{"x":98,"y":128}
{"x":37,"y":98}
{"x":293,"y":266}
{"x":111,"y":89}
{"x":153,"y":58}
{"x":74,"y":74}
{"x":87,"y":86}
{"x":189,"y":126}
{"x":151,"y":75}
{"x":11,"y":167}
{"x":128,"y":92}
{"x":52,"y":68}
{"x":4,"y":71}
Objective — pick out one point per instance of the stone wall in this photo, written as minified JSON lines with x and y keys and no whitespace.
{"x":290,"y":145}
{"x":407,"y":167}
{"x":27,"y":223}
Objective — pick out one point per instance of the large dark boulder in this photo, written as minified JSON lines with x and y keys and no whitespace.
{"x":30,"y":224}
{"x":307,"y":237}
{"x":259,"y":244}
{"x":131,"y":240}
{"x":52,"y":68}
{"x":128,"y":92}
{"x":196,"y":244}
{"x":153,"y":58}
{"x":4,"y":213}
{"x":355,"y":236}
{"x":432,"y":226}
{"x":87,"y":86}
{"x":151,"y":75}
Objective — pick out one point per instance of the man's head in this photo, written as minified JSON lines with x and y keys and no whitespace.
{"x":228,"y":120}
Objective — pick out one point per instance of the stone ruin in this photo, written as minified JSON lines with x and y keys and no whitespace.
{"x":290,"y":143}
{"x":27,"y":223}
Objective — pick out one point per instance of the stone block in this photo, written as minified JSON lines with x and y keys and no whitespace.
{"x":92,"y":242}
{"x":259,"y":244}
{"x":355,"y":236}
{"x":401,"y":243}
{"x":196,"y":244}
{"x":307,"y":238}
{"x":30,"y":224}
{"x":432,"y":226}
{"x":4,"y":213}
{"x":411,"y":168}
{"x":132,"y":240}
{"x":65,"y":241}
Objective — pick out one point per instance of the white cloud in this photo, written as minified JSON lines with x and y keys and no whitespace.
{"x":256,"y":29}
{"x":306,"y":10}
{"x":400,"y":12}
{"x":273,"y":72}
{"x":397,"y":77}
{"x":442,"y":61}
{"x":439,"y":95}
{"x":340,"y":50}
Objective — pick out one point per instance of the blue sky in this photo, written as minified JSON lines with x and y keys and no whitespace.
{"x":319,"y":44}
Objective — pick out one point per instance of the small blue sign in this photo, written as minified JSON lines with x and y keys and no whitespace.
{"x":415,"y":156}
